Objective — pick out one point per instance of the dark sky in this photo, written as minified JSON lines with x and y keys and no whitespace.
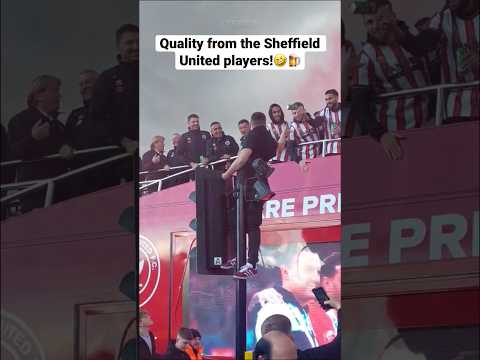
{"x":57,"y":37}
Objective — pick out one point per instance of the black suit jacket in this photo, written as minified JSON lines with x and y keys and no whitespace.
{"x":129,"y":351}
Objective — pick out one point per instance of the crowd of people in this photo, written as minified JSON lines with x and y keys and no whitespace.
{"x":186,"y":346}
{"x":108,"y":117}
{"x":445,"y":50}
{"x":297,"y":140}
{"x":277,"y":341}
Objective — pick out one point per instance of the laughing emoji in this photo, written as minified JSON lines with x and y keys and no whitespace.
{"x":280,"y":60}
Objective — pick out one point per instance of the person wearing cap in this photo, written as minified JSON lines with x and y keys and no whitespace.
{"x":36,"y":132}
{"x":154,"y":159}
{"x":195,"y":350}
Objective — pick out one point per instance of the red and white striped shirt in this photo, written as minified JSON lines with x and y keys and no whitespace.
{"x":388,"y":68}
{"x":304,"y":132}
{"x":276,"y":131}
{"x":460,"y":37}
{"x":332,"y":128}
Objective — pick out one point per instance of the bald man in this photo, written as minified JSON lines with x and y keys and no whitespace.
{"x":275,"y":345}
{"x":277,"y":322}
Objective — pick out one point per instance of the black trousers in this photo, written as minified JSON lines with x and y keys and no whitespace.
{"x":253,"y":220}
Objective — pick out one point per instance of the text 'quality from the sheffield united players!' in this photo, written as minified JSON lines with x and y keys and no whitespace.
{"x":240,"y":52}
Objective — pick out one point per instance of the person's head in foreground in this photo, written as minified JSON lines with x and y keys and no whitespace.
{"x":258,"y":119}
{"x":244,"y":127}
{"x":184,"y":338}
{"x":277,"y":322}
{"x":275,"y":345}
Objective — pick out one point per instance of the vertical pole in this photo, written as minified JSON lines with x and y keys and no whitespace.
{"x":49,"y":194}
{"x":240,"y":285}
{"x":439,"y":107}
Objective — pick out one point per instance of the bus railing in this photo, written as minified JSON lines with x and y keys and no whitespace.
{"x":158,"y":182}
{"x":440,"y":96}
{"x":58,"y":156}
{"x":51,"y":183}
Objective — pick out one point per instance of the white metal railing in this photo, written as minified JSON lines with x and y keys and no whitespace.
{"x":147,"y":172}
{"x":51,"y":182}
{"x":58,"y":156}
{"x":440,"y":94}
{"x":320,"y":141}
{"x":149,"y":183}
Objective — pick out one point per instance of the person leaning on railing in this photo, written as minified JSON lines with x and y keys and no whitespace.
{"x":36,"y":132}
{"x":389,"y":61}
{"x":154,"y":159}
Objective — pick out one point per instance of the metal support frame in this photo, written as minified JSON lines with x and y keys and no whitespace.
{"x":241,"y":285}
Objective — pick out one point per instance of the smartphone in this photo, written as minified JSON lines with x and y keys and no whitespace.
{"x":322,"y":296}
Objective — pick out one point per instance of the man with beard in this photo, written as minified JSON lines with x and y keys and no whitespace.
{"x":193,"y":144}
{"x":385,"y":65}
{"x":300,"y":272}
{"x":75,"y":125}
{"x":220,"y":146}
{"x":114,"y":105}
{"x":458,"y":27}
{"x":331,"y":116}
{"x":279,"y":130}
{"x":304,"y":129}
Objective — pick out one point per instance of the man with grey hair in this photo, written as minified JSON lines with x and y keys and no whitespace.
{"x":36,"y":132}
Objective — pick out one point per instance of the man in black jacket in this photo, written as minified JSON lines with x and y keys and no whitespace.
{"x":36,"y":132}
{"x":176,"y":350}
{"x":173,"y":157}
{"x":220,"y":146}
{"x":143,"y":347}
{"x":193,"y":144}
{"x":154,"y":159}
{"x":114,"y":114}
{"x":259,"y":145}
{"x":75,"y":125}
